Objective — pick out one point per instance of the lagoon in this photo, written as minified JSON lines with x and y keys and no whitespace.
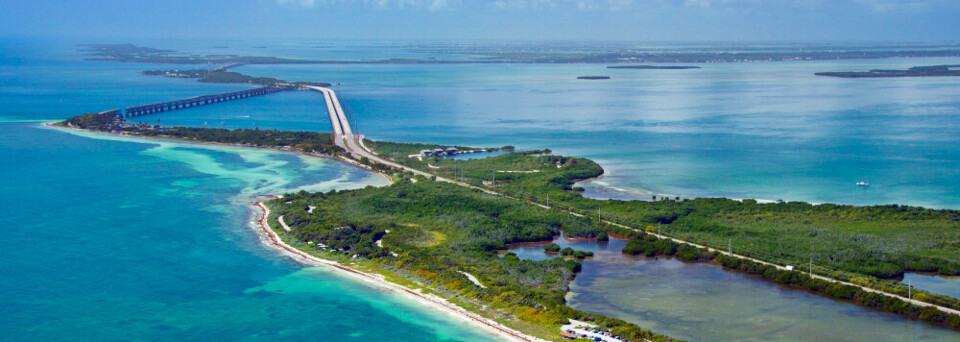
{"x":703,"y":302}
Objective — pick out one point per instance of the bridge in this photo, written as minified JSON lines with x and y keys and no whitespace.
{"x":353,"y":143}
{"x":193,"y":102}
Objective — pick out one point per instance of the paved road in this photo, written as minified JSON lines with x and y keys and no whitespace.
{"x":350,"y":142}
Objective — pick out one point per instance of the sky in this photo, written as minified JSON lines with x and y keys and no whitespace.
{"x":613,"y":20}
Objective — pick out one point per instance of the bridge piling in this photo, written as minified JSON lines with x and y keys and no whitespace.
{"x":193,"y":102}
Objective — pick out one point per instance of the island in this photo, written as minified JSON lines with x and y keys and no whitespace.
{"x":654,"y":67}
{"x":593,"y":77}
{"x":222,"y":75}
{"x":917,"y":71}
{"x":522,"y":53}
{"x":444,"y":226}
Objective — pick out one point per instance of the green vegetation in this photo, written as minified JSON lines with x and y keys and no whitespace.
{"x":94,"y":121}
{"x":303,"y":141}
{"x":869,"y":245}
{"x":311,"y":142}
{"x":437,"y":229}
{"x":401,"y":150}
{"x":131,"y":53}
{"x":650,"y":245}
{"x":917,"y":71}
{"x":221,"y":75}
{"x":552,"y":248}
{"x":429,"y":231}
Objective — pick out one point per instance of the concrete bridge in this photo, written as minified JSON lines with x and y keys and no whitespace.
{"x":194,"y":101}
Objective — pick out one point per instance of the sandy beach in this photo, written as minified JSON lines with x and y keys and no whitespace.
{"x":270,"y":238}
{"x":346,"y":161}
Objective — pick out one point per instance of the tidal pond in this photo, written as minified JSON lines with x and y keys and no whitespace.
{"x":704,"y":302}
{"x":947,"y":286}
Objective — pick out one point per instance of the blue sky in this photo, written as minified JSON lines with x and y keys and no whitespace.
{"x":628,"y":20}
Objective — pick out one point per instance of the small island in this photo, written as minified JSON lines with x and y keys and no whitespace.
{"x":222,"y":75}
{"x":917,"y":71}
{"x":654,"y":67}
{"x":593,"y":77}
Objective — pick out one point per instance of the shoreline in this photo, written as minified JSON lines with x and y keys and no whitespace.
{"x":49,"y":124}
{"x":267,"y":236}
{"x":438,"y":302}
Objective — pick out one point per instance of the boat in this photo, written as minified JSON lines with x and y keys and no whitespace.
{"x":863,"y":183}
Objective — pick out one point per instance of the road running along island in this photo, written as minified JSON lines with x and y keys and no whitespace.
{"x":520,"y":191}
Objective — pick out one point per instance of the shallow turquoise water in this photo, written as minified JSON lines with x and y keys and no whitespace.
{"x":118,"y":240}
{"x":701,"y":302}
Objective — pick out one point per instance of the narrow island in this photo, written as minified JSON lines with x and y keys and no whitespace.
{"x":441,"y":228}
{"x":222,"y":75}
{"x":654,"y":67}
{"x":917,"y":71}
{"x":593,"y":77}
{"x":510,"y":53}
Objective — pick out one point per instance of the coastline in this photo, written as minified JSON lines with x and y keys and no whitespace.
{"x":49,"y":125}
{"x":270,"y":238}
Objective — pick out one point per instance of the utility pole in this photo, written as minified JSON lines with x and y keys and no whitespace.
{"x":658,"y":229}
{"x":909,"y":290}
{"x":730,"y":246}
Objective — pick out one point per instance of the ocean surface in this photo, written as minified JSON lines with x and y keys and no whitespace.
{"x":743,"y":130}
{"x":120,"y":239}
{"x":113,"y":239}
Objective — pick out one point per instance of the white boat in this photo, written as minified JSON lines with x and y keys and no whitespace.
{"x":863,"y":183}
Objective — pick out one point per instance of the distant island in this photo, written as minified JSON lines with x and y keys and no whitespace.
{"x":593,"y":77}
{"x":495,"y":53}
{"x":131,"y":53}
{"x":917,"y":71}
{"x":656,"y":67}
{"x":221,"y":75}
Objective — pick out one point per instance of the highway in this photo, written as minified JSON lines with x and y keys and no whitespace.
{"x":345,"y":138}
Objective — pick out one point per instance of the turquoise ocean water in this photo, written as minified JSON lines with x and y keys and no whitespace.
{"x":120,"y":240}
{"x":123,"y":240}
{"x":113,"y":239}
